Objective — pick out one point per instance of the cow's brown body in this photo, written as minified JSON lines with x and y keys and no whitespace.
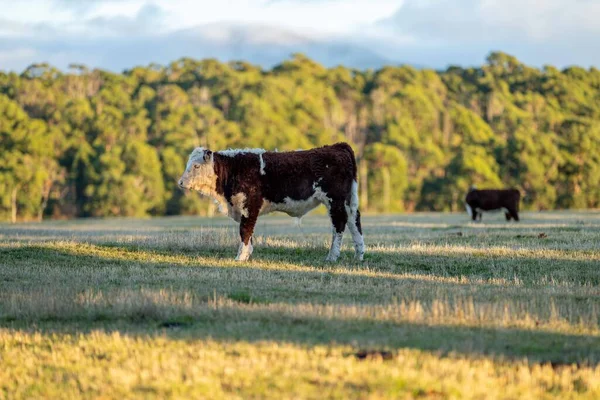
{"x":248,"y":183}
{"x":507,"y":200}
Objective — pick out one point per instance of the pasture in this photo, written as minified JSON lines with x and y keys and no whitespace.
{"x":440,"y":308}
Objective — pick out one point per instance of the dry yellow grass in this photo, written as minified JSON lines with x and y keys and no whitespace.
{"x":158,"y":308}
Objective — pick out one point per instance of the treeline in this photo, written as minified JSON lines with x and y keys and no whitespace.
{"x":96,"y":143}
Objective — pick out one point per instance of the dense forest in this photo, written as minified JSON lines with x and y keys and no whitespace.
{"x":95,"y":143}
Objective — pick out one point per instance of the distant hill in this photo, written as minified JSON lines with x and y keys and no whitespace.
{"x":258,"y":44}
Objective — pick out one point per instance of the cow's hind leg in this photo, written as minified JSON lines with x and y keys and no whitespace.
{"x":472,"y":210}
{"x":354,"y":224}
{"x":508,"y":216}
{"x":356,"y":231}
{"x":246,"y":230}
{"x":339,"y":217}
{"x":514,"y":213}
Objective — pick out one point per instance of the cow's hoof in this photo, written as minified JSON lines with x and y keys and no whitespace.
{"x":330,"y":259}
{"x":244,"y":252}
{"x":359,"y":257}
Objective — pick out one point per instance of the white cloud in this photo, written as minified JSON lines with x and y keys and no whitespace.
{"x":34,"y":12}
{"x":476,"y":21}
{"x":319,"y":17}
{"x":120,"y":33}
{"x":442,"y":32}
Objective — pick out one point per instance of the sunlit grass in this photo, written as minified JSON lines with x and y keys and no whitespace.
{"x":492,"y":310}
{"x":113,"y":365}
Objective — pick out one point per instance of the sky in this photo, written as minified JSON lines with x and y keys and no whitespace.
{"x":120,"y":34}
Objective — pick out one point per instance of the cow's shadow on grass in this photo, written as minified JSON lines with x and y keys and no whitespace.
{"x":242,"y":321}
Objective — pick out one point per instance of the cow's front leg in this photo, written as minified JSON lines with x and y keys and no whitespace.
{"x":246,"y":230}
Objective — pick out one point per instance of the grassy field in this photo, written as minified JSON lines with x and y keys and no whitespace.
{"x":440,"y":308}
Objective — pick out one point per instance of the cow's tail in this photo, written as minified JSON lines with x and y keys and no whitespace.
{"x":469,"y":210}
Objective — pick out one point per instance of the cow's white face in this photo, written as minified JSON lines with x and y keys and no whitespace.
{"x":199,"y":173}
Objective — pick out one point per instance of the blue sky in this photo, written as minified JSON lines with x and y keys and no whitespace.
{"x":118,"y":34}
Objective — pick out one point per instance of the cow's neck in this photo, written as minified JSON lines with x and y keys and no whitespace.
{"x":222,"y":168}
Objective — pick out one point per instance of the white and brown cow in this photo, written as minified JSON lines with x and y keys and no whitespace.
{"x":251,"y":182}
{"x":492,"y":200}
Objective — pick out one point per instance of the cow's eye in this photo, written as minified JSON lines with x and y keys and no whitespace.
{"x":196,"y":166}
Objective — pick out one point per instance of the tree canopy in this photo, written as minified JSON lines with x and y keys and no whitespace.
{"x":89,"y":142}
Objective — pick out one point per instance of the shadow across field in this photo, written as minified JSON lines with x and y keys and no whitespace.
{"x":439,"y":263}
{"x":247,"y":325}
{"x":305,"y":263}
{"x":52,"y":274}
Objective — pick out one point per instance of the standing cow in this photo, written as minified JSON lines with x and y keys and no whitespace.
{"x":251,"y":182}
{"x":506,"y":200}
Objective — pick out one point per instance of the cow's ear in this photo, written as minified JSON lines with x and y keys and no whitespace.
{"x":207,"y":154}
